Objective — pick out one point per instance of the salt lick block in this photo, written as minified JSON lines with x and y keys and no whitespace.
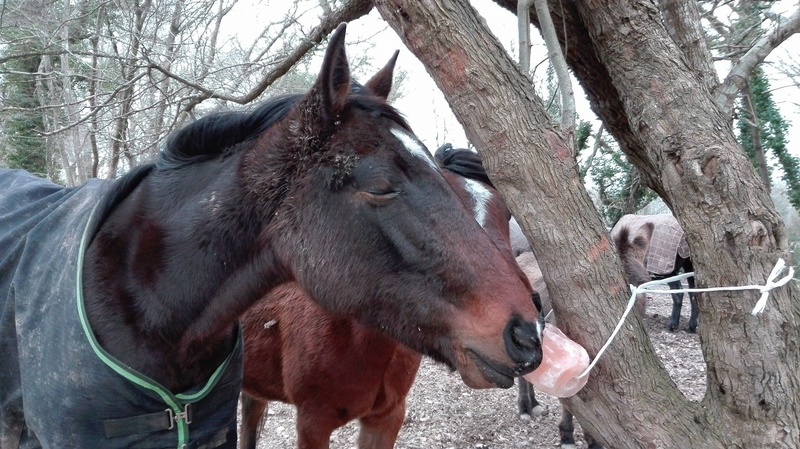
{"x":563,"y":361}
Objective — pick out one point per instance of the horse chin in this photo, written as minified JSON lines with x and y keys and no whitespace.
{"x":478,"y":372}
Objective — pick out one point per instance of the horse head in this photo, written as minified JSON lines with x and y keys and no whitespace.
{"x":370,"y":228}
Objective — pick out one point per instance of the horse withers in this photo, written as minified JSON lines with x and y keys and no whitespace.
{"x":118,"y":326}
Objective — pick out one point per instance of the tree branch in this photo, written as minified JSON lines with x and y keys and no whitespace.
{"x":562,"y":72}
{"x":524,"y":27}
{"x":725,"y":94}
{"x":350,"y":10}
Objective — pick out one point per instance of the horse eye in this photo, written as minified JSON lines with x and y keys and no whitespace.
{"x":375,"y":183}
{"x":382,"y":196}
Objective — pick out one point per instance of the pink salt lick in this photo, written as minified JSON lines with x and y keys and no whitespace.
{"x":563,"y":361}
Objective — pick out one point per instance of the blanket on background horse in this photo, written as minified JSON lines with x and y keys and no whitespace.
{"x":668,"y":240}
{"x":58,"y":388}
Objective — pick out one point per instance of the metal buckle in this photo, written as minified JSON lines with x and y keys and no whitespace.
{"x":177,"y":417}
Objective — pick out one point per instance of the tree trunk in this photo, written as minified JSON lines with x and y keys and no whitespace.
{"x":667,"y":124}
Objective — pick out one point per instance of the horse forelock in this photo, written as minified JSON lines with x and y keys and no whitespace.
{"x":464,"y":162}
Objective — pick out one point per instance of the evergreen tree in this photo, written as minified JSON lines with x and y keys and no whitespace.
{"x":24,"y":146}
{"x":23,"y":124}
{"x":771,"y":128}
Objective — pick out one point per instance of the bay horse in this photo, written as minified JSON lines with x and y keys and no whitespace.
{"x":631,"y":252}
{"x":667,"y":255}
{"x":121,"y":300}
{"x":332,"y":368}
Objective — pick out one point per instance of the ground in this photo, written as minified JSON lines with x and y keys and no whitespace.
{"x":444,"y":414}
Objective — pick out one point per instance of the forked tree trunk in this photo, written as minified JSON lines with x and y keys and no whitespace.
{"x":671,"y":130}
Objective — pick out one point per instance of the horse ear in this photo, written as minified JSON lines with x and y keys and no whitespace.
{"x":381,"y":83}
{"x":333,"y":82}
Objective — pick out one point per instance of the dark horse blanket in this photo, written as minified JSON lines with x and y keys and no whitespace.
{"x":58,"y":388}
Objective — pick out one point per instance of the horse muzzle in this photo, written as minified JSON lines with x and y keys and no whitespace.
{"x":482,"y":368}
{"x":523,"y":343}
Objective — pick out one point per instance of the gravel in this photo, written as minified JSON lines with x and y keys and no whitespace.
{"x":442,"y":413}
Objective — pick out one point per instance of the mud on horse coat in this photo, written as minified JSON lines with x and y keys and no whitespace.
{"x":49,"y":363}
{"x":237,"y":204}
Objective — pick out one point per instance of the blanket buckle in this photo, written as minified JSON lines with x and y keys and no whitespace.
{"x":185,"y":416}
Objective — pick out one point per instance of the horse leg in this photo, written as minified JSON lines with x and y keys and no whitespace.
{"x":677,"y":303}
{"x":252,"y":411}
{"x":314,"y":429}
{"x":566,"y":429}
{"x":380,"y":431}
{"x":591,"y":443}
{"x":529,"y":407}
{"x":566,"y":432}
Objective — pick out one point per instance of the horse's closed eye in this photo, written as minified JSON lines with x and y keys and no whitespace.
{"x":381,"y":197}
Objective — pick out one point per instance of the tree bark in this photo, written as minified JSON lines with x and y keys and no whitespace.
{"x":669,"y":127}
{"x":530,"y":163}
{"x":682,"y":19}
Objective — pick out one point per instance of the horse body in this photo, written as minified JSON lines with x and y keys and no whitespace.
{"x":332,"y":368}
{"x":329,"y":189}
{"x":667,"y":255}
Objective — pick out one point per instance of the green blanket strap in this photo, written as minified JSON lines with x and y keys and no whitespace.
{"x":178,"y":410}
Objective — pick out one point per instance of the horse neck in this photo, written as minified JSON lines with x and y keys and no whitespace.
{"x":171,"y":270}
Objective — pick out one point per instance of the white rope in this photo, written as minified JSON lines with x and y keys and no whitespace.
{"x":770,"y":284}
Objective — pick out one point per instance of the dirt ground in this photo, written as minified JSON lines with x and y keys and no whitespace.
{"x":444,"y":414}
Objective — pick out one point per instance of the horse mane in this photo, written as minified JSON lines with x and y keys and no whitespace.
{"x":224,"y":132}
{"x":217,"y":133}
{"x":120,"y":190}
{"x":464,"y":162}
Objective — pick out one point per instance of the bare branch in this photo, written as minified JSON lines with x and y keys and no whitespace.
{"x":598,"y":143}
{"x":350,"y":10}
{"x":726,"y":93}
{"x":524,"y":28}
{"x":562,"y":72}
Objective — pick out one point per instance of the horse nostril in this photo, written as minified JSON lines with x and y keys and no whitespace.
{"x":525,"y":337}
{"x":523,"y":343}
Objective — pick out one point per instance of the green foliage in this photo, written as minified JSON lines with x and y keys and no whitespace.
{"x":24,"y":148}
{"x":582,"y":133}
{"x":619,"y":188}
{"x":22,"y":122}
{"x":773,"y":129}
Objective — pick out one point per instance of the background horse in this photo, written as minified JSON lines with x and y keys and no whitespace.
{"x":329,"y":189}
{"x":631,"y":252}
{"x":331,"y":368}
{"x":667,"y":255}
